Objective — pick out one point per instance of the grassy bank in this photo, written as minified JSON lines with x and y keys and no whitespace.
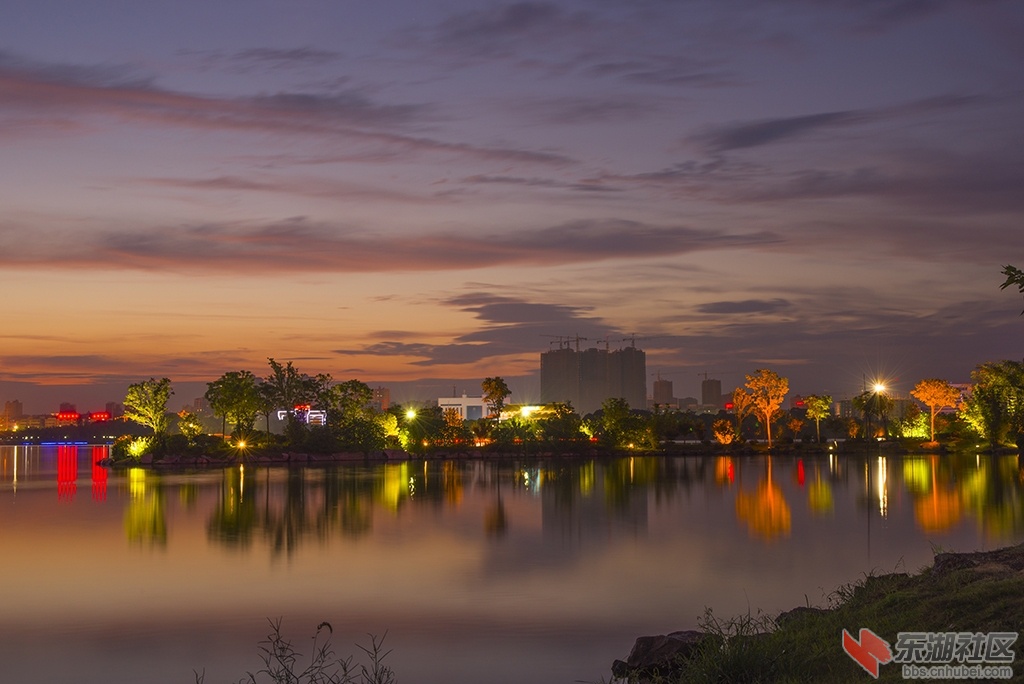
{"x":973,"y":592}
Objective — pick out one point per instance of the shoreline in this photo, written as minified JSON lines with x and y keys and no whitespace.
{"x":962,"y":593}
{"x":285,"y":458}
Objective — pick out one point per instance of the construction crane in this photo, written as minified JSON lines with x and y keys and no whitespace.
{"x":563,"y":340}
{"x":633,"y":337}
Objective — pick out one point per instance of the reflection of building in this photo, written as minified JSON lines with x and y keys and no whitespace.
{"x":470,"y":408}
{"x":587,"y":378}
{"x":594,"y":504}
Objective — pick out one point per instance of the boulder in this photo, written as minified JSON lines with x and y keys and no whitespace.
{"x":658,"y":655}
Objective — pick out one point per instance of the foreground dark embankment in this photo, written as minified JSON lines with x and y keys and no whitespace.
{"x":961,"y":592}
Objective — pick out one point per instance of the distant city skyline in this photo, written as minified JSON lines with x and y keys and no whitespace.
{"x":420,"y":195}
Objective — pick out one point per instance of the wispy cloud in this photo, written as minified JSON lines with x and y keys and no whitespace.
{"x":300,"y":245}
{"x":351,"y":116}
{"x":323,"y":188}
{"x":747,"y":134}
{"x":583,"y":186}
{"x":507,"y":326}
{"x":746,"y":306}
{"x":508,"y":28}
{"x":266,"y":58}
{"x":757,"y":133}
{"x":664,"y":70}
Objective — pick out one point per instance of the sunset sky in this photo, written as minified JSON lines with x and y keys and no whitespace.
{"x":422,"y":194}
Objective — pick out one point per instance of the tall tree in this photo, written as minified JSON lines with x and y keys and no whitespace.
{"x":936,"y":395}
{"x":495,"y":393}
{"x":351,"y":416}
{"x":235,"y":397}
{"x":995,"y":407}
{"x":454,"y":430}
{"x":146,"y":403}
{"x":1014,"y":276}
{"x":766,"y":390}
{"x":286,"y":388}
{"x":348,"y":401}
{"x":742,"y":406}
{"x":873,"y":402}
{"x":818,"y":406}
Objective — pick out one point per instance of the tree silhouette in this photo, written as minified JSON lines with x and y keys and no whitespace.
{"x":1014,"y":276}
{"x":495,"y":391}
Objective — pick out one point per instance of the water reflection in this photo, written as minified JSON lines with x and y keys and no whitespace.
{"x":765,"y":510}
{"x":528,"y":553}
{"x":287,"y":507}
{"x":99,"y":473}
{"x":145,"y":519}
{"x":284,"y":508}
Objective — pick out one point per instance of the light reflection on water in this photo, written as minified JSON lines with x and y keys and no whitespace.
{"x":540,"y":570}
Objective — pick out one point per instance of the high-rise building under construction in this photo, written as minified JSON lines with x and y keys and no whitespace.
{"x":587,"y":378}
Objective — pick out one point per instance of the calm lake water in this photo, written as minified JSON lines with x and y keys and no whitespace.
{"x":523,"y":570}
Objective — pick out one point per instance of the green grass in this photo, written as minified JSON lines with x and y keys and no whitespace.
{"x":806,"y":646}
{"x":284,"y":664}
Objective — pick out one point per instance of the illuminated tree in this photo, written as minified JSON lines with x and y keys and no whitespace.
{"x":515,"y":430}
{"x":482,"y":430}
{"x":936,"y":395}
{"x":818,"y":407}
{"x":724,"y":431}
{"x":620,"y":426}
{"x":561,"y":423}
{"x":495,"y":392}
{"x":795,"y":425}
{"x":389,"y":424}
{"x":1014,"y":276}
{"x":995,"y":407}
{"x":190,"y":426}
{"x":766,"y":390}
{"x":742,"y":406}
{"x":454,"y":430}
{"x":146,"y":403}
